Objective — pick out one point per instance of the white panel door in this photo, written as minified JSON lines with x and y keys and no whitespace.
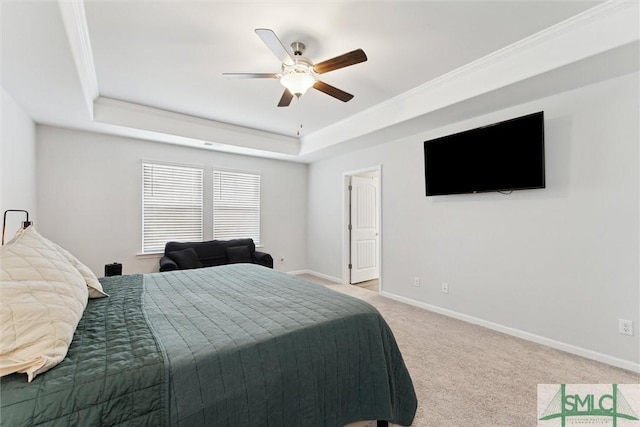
{"x":364,"y":229}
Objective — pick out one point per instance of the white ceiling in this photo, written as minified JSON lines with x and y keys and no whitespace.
{"x":154,"y":68}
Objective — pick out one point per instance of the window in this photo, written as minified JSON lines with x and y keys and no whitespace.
{"x":236,"y":205}
{"x":171,"y":205}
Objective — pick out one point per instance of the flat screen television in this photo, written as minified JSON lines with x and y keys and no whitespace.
{"x":502,"y":156}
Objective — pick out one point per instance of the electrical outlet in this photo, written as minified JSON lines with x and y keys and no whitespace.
{"x":625,"y":327}
{"x":416,"y":282}
{"x":445,"y":288}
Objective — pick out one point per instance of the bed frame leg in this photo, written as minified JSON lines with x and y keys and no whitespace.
{"x":383,"y":423}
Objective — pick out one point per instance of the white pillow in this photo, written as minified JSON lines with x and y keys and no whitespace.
{"x":94,"y":285}
{"x":43,"y":296}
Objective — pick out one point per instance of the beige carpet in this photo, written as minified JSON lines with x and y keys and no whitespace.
{"x":467,"y":375}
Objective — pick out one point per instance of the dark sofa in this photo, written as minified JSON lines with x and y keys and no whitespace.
{"x":186,"y":255}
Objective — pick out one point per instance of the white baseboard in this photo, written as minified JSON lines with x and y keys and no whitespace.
{"x":315,"y":273}
{"x":297,"y":272}
{"x":569,"y":348}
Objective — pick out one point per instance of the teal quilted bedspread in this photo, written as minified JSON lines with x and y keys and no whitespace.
{"x":236,"y":345}
{"x":113,"y":373}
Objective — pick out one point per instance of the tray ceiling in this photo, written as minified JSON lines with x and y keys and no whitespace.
{"x":154,"y":69}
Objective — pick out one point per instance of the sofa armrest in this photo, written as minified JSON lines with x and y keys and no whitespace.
{"x":167,"y":264}
{"x":263,"y":258}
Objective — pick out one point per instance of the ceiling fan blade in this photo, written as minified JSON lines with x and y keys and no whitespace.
{"x":286,"y":98}
{"x":250,"y":75}
{"x":275,"y":45}
{"x":354,"y":57}
{"x":332,"y":91}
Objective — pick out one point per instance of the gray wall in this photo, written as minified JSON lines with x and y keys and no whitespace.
{"x":558,"y":265}
{"x":18,"y":159}
{"x":90,"y":197}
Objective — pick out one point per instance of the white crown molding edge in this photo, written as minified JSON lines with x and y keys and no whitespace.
{"x":136,"y":116}
{"x":75,"y":25}
{"x":597,"y":30}
{"x":538,"y":339}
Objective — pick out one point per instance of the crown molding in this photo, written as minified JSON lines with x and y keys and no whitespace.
{"x":75,"y":25}
{"x":597,"y":30}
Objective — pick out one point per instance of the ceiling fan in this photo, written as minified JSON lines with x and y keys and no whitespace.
{"x":299,"y":73}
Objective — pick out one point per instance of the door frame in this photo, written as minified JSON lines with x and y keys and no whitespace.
{"x":346,"y":249}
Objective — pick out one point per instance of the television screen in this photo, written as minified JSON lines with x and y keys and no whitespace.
{"x":503,"y":156}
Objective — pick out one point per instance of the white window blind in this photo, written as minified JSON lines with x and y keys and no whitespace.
{"x":236,"y":205}
{"x":171,"y":206}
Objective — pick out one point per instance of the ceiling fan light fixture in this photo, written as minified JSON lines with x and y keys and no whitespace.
{"x":297,"y":82}
{"x":298,"y":72}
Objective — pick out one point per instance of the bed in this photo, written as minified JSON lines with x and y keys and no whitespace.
{"x":234,"y":345}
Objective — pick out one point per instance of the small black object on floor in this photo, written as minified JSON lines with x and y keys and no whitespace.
{"x":114,"y":269}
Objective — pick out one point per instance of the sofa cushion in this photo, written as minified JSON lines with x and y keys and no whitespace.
{"x":237,"y":254}
{"x":213,"y":252}
{"x":185,"y":258}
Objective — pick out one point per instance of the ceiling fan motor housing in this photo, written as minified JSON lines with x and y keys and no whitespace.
{"x":301,"y":65}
